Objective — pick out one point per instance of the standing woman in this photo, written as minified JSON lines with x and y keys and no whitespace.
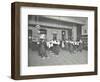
{"x":42,"y":46}
{"x":56,"y":48}
{"x":80,"y":45}
{"x":67,"y":44}
{"x":71,"y":46}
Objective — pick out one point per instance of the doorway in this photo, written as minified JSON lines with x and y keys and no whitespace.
{"x":63,"y":35}
{"x":54,"y":36}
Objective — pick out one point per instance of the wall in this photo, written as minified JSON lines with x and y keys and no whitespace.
{"x":53,"y":24}
{"x":84,"y":27}
{"x":5,"y":41}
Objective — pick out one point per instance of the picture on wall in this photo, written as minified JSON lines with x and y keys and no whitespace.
{"x":53,"y":40}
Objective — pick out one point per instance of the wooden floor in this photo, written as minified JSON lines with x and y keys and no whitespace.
{"x":64,"y":58}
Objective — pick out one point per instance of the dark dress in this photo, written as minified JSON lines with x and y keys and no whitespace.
{"x":56,"y":49}
{"x":42,"y":49}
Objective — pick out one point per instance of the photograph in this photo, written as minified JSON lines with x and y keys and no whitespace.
{"x":57,"y":40}
{"x":50,"y":40}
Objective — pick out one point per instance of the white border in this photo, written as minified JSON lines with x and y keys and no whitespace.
{"x":25,"y":70}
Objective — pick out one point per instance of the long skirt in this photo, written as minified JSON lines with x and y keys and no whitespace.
{"x":56,"y":49}
{"x":42,"y":51}
{"x":71,"y":48}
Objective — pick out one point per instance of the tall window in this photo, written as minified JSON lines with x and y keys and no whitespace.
{"x":70,"y":34}
{"x":42,"y":33}
{"x":30,"y":34}
{"x":63,"y":35}
{"x":54,"y":36}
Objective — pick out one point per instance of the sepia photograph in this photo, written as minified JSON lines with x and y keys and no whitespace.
{"x":57,"y":40}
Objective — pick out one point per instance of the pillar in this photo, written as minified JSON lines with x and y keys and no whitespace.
{"x":74,"y":33}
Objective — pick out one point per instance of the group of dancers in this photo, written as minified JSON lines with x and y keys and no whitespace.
{"x":55,"y":46}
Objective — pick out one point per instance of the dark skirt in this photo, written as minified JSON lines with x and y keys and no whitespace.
{"x":56,"y":49}
{"x":42,"y":51}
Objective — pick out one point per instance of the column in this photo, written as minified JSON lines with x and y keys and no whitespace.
{"x":74,"y":33}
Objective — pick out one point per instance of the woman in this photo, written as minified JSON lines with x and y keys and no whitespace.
{"x":56,"y":48}
{"x":42,"y":48}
